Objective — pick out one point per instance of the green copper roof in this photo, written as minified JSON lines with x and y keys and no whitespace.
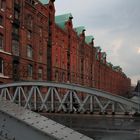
{"x":44,"y":1}
{"x":60,"y":20}
{"x":89,"y":39}
{"x":79,"y":29}
{"x":61,"y":25}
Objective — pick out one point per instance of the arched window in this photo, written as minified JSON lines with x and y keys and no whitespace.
{"x":1,"y":65}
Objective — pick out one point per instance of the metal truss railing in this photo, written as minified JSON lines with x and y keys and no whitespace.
{"x":57,"y":97}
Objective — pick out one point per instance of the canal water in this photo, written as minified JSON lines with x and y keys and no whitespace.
{"x":101,"y":127}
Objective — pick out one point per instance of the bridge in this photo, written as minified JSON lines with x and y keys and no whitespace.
{"x":65,"y":97}
{"x":51,"y":97}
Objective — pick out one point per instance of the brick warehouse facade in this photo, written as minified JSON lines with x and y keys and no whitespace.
{"x":37,"y":45}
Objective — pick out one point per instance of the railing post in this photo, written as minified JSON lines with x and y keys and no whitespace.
{"x":71,"y":101}
{"x":91,"y":104}
{"x":52,"y":100}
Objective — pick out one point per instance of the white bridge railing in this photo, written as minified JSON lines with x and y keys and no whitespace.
{"x":56,"y":97}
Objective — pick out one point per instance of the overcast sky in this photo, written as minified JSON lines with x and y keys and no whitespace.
{"x":115,"y":24}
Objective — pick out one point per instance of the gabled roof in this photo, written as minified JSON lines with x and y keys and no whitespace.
{"x":44,"y":1}
{"x":60,"y":20}
{"x":79,"y":29}
{"x":61,"y":25}
{"x":89,"y":39}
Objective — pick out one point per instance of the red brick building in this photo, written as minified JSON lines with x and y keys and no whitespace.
{"x":37,"y":45}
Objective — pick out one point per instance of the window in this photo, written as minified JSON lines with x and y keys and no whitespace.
{"x":40,"y":57}
{"x":29,"y":51}
{"x":40,"y":71}
{"x":29,"y":21}
{"x":56,"y":75}
{"x":15,"y":47}
{"x":1,"y":20}
{"x":1,"y":66}
{"x":17,"y":1}
{"x":32,"y":2}
{"x":30,"y":70}
{"x":29,"y":34}
{"x":16,"y":30}
{"x":1,"y":42}
{"x":2,"y":5}
{"x":56,"y":62}
{"x":63,"y":76}
{"x":16,"y":14}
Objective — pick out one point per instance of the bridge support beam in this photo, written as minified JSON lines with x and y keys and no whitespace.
{"x":14,"y":129}
{"x":17,"y":123}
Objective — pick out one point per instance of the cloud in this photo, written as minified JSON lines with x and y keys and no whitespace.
{"x":138,"y":50}
{"x":135,"y":78}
